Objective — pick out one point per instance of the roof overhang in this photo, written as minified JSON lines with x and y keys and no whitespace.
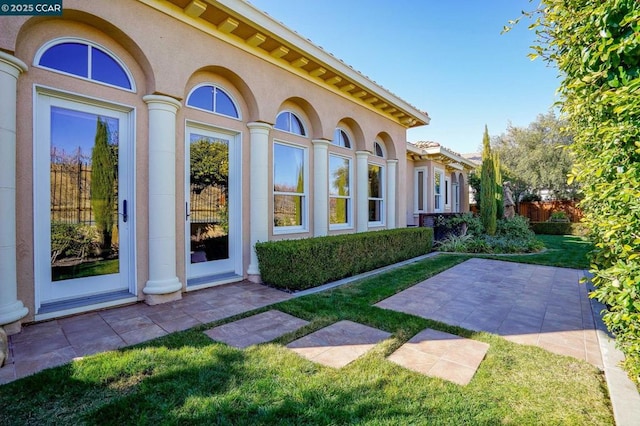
{"x":241,"y":24}
{"x":452,"y":160}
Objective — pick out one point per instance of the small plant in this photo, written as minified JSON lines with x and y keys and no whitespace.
{"x":454,"y":243}
{"x":558,"y":216}
{"x":72,"y":240}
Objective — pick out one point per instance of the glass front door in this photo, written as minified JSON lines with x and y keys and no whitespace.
{"x":82,"y":206}
{"x":211,"y":204}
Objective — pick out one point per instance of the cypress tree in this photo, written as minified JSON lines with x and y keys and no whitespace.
{"x":499,"y":198}
{"x":103,"y":177}
{"x":488,"y":187}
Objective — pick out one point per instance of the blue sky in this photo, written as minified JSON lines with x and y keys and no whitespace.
{"x":446,"y":57}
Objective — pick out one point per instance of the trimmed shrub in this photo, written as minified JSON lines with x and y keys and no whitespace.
{"x":310,"y":262}
{"x":559,"y":228}
{"x":516,"y":227}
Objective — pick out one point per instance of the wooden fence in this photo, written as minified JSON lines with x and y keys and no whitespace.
{"x":540,"y":211}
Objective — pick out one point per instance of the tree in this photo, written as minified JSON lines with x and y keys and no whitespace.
{"x":209,"y":164}
{"x":596,"y":47}
{"x":103,"y":177}
{"x":488,"y":187}
{"x":499,"y":196}
{"x":539,"y":156}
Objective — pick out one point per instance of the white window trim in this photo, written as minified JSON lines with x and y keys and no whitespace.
{"x":217,"y":86}
{"x":383,"y":148}
{"x":382,"y":200}
{"x":349,"y":224}
{"x":235,"y":186}
{"x":441,"y":172}
{"x":41,"y":162}
{"x":279,"y":230}
{"x":425,"y":192}
{"x":302,"y":122}
{"x":61,"y":40}
{"x":346,"y":132}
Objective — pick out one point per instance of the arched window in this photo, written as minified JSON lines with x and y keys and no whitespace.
{"x":213,"y":99}
{"x":340,"y":138}
{"x":289,"y":122}
{"x":379,"y":150}
{"x":86,"y":60}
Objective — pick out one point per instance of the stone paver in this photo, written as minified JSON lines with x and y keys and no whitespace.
{"x":438,"y":354}
{"x":338,"y":344}
{"x":56,"y":342}
{"x":256,"y":329}
{"x":527,"y":304}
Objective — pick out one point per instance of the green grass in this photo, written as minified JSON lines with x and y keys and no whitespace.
{"x":566,"y":251}
{"x":87,"y":269}
{"x":185,"y":378}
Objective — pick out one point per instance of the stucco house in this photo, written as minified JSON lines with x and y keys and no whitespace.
{"x":147,"y":145}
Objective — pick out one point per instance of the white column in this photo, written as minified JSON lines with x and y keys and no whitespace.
{"x":320,"y":187}
{"x":11,"y":309}
{"x":163,"y":284}
{"x":391,"y":193}
{"x":362,"y":191}
{"x":259,"y":192}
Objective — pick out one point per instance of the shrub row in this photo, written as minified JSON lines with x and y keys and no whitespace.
{"x":559,"y":228}
{"x":310,"y":262}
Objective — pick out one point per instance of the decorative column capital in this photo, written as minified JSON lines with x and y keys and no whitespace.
{"x":162,"y":102}
{"x":12,"y":65}
{"x":362,"y":154}
{"x":392,"y":162}
{"x":259,"y":127}
{"x":321,"y":143}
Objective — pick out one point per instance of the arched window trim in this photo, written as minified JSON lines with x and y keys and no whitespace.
{"x":61,"y":40}
{"x":217,"y":87}
{"x":305,"y":132}
{"x":383,"y":150}
{"x":346,"y":134}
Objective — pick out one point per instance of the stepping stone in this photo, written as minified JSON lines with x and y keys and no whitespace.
{"x":256,"y":329}
{"x":338,"y":344}
{"x":437,"y":354}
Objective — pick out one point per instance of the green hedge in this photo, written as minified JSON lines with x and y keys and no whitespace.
{"x":310,"y":262}
{"x":559,"y":228}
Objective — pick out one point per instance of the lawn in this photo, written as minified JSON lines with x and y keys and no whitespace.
{"x":565,"y":251}
{"x":185,"y":378}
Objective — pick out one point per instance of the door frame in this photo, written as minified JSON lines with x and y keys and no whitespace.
{"x":41,"y":198}
{"x":235,"y":206}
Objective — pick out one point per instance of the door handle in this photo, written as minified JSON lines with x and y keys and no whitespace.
{"x":125,"y":216}
{"x":186,"y":211}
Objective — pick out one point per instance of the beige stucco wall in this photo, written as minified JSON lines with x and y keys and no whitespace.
{"x":168,"y":57}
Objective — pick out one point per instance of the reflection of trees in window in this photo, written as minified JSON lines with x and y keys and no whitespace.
{"x":375,"y":193}
{"x":103,"y":178}
{"x":339,"y":202}
{"x":288,"y":186}
{"x":209,"y":179}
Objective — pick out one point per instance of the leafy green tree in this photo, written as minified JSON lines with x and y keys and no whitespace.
{"x":539,"y":155}
{"x":488,"y":187}
{"x":596,"y":47}
{"x":209,"y":164}
{"x":103,"y":177}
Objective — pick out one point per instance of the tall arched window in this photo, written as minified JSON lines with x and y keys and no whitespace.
{"x":379,"y":150}
{"x":213,"y":99}
{"x":86,"y":60}
{"x":289,"y":122}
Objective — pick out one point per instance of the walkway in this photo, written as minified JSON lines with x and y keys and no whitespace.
{"x":57,"y":342}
